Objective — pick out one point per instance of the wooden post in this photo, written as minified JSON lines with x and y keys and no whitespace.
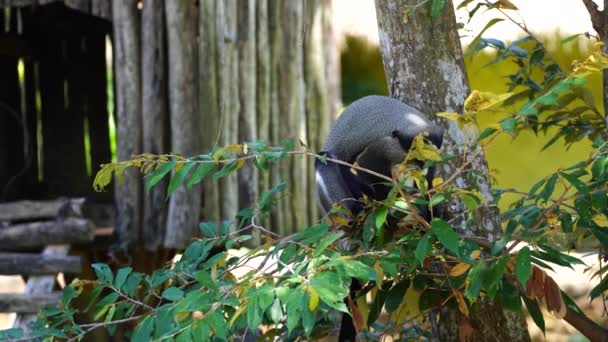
{"x":247,"y":126}
{"x":125,"y":16}
{"x":291,"y":109}
{"x":36,"y":234}
{"x":208,"y":96}
{"x":184,"y":205}
{"x":155,"y":116}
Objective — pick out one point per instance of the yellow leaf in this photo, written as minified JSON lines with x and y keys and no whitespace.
{"x":245,"y":148}
{"x":234,"y":148}
{"x":238,"y":312}
{"x":459,"y":269}
{"x":437,"y":181}
{"x":314,"y":298}
{"x":600,"y":220}
{"x":363,"y":309}
{"x":218,"y":154}
{"x":339,"y":219}
{"x":462,"y":304}
{"x":239,"y":165}
{"x":422,"y":150}
{"x":476,"y":254}
{"x":380,"y":273}
{"x":410,"y":306}
{"x":479,"y":101}
{"x":450,"y":116}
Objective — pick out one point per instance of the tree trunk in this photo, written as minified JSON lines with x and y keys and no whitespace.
{"x":184,"y":205}
{"x":154,"y":113}
{"x":127,"y":75}
{"x":424,"y":66}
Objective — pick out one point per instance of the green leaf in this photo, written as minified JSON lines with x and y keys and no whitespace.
{"x":200,"y":173}
{"x":436,"y":7}
{"x":67,"y":294}
{"x":494,"y":276}
{"x":381,"y":214}
{"x":508,"y":125}
{"x":208,"y":229}
{"x":254,"y":313}
{"x":226,"y":170}
{"x":396,"y":295}
{"x":331,"y":289}
{"x":523,"y":266}
{"x":501,"y":243}
{"x":359,"y":270}
{"x":325,"y":242}
{"x":132,"y":283}
{"x":599,"y":289}
{"x":446,"y":235}
{"x":474,"y":281}
{"x":143,"y":332}
{"x":548,"y":189}
{"x":179,"y":177}
{"x":104,"y":273}
{"x":121,"y":276}
{"x":155,"y":176}
{"x":423,"y":248}
{"x":601,"y":235}
{"x":11,"y":334}
{"x":535,"y":313}
{"x":486,"y":133}
{"x":173,"y":294}
{"x":311,"y":234}
{"x":102,"y":307}
{"x":579,"y":185}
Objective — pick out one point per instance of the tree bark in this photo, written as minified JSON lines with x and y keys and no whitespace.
{"x":184,"y":205}
{"x":154,"y":114}
{"x":128,"y":112}
{"x":424,"y":66}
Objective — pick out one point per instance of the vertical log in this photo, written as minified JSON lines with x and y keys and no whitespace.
{"x":247,"y":126}
{"x":102,"y":8}
{"x":291,"y":106}
{"x":332,"y":61}
{"x":263,"y":86}
{"x":125,"y":17}
{"x":154,"y":115}
{"x":424,"y":66}
{"x":317,"y":93}
{"x":97,"y":106}
{"x":280,"y":214}
{"x":184,"y":206}
{"x":209,"y":100}
{"x":228,"y":97}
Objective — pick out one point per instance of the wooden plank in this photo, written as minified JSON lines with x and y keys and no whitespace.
{"x":209,"y":101}
{"x":39,"y":286}
{"x":154,"y":115}
{"x":33,"y":210}
{"x":247,"y":121}
{"x":184,"y":206}
{"x":38,"y":264}
{"x":27,"y":303}
{"x":71,"y":230}
{"x":127,"y":73}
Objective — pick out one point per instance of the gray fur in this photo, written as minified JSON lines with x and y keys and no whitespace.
{"x":364,"y":133}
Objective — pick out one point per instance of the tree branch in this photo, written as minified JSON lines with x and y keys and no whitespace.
{"x":597,"y":18}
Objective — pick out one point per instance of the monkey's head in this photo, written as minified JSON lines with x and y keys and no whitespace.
{"x":376,"y":132}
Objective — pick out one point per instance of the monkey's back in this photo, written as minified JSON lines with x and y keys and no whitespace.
{"x":363,"y":121}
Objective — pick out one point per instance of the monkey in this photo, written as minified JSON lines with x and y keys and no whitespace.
{"x":375,"y":132}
